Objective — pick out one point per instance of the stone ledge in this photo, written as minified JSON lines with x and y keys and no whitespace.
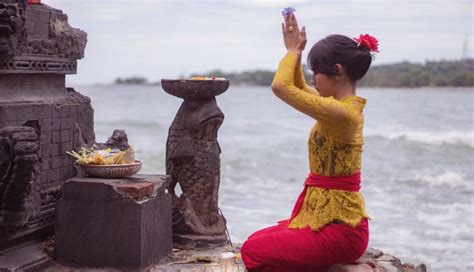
{"x":26,"y":257}
{"x":208,"y":261}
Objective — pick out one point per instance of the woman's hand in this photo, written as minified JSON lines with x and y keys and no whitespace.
{"x":293,"y":36}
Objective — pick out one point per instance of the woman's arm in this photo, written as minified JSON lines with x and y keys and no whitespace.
{"x":295,"y":41}
{"x":324,"y":109}
{"x":300,"y":81}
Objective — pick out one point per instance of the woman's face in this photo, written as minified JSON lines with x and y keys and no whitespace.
{"x":324,"y":83}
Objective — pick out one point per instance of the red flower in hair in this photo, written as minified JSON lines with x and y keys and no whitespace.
{"x":367,"y":41}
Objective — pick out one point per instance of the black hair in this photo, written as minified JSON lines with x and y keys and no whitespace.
{"x":326,"y":53}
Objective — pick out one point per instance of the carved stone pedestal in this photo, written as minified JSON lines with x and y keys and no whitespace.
{"x":123,"y":223}
{"x":192,"y":161}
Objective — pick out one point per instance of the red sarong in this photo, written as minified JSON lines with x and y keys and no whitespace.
{"x":279,"y":248}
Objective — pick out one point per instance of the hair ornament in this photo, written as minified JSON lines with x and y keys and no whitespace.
{"x":367,"y":42}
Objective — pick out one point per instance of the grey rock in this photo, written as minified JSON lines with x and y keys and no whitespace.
{"x":372,"y":253}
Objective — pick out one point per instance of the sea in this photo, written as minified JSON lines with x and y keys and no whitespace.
{"x":417,"y":170}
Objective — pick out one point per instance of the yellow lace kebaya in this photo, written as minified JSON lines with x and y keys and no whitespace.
{"x":334,"y":145}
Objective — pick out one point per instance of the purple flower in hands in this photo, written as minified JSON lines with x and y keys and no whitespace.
{"x":287,"y":11}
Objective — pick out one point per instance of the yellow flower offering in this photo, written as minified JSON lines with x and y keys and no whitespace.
{"x":207,"y":78}
{"x":108,"y":156}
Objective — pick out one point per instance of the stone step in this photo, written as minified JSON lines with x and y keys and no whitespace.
{"x":26,"y":257}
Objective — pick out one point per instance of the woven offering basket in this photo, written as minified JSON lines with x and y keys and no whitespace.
{"x":111,"y":171}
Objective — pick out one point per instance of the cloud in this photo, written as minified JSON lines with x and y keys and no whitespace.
{"x":173,"y":37}
{"x":109,"y":10}
{"x":269,"y":3}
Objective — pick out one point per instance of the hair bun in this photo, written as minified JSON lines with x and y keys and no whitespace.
{"x":367,"y":42}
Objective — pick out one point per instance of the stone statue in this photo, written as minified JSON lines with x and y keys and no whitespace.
{"x":192,"y":161}
{"x":119,"y":139}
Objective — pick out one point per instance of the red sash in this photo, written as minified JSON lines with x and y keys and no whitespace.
{"x":345,"y":183}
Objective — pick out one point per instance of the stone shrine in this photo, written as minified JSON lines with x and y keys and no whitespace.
{"x":40,"y":118}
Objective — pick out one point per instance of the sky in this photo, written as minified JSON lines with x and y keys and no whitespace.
{"x":168,"y":39}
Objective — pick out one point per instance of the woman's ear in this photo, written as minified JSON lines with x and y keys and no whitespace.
{"x":339,"y":68}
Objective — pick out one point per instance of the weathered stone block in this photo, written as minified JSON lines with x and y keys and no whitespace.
{"x":56,"y":162}
{"x":65,"y":173}
{"x":55,"y":137}
{"x":9,"y":114}
{"x":64,"y":111}
{"x":45,"y":176}
{"x":68,"y":123}
{"x":51,"y":124}
{"x":65,"y":147}
{"x":26,"y":113}
{"x":99,"y":225}
{"x":55,"y":174}
{"x":18,"y":113}
{"x":64,"y":136}
{"x":38,"y":29}
{"x":37,"y":15}
{"x":43,"y":111}
{"x":44,"y":151}
{"x":54,"y":150}
{"x":13,"y":124}
{"x":45,"y":137}
{"x":42,"y":81}
{"x":46,"y":164}
{"x":66,"y":161}
{"x":73,"y":110}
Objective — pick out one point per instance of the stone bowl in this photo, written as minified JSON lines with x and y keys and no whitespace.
{"x":111,"y":171}
{"x":188,"y":88}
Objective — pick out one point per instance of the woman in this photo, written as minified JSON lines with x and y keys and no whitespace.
{"x":328,"y":229}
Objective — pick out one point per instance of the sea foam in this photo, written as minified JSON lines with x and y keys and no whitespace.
{"x":451,"y":137}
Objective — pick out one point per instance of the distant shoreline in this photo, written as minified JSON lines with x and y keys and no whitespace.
{"x":435,"y":88}
{"x":443,"y":73}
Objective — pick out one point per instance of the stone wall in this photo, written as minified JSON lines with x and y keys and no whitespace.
{"x":62,"y":119}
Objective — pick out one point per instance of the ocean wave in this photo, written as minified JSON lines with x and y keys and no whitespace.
{"x":452,"y":137}
{"x":447,"y":178}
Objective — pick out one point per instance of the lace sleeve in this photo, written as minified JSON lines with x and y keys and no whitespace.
{"x":300,"y":81}
{"x":324,"y":109}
